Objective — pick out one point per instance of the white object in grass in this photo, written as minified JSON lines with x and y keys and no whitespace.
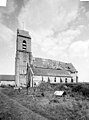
{"x":58,"y":93}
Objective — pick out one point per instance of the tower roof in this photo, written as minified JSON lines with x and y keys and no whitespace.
{"x":23,"y":33}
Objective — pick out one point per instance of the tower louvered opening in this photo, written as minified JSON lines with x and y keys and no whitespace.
{"x":24,"y":45}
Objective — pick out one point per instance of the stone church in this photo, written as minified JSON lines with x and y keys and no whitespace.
{"x":33,"y":71}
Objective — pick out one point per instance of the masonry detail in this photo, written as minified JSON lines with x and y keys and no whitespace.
{"x":23,"y":54}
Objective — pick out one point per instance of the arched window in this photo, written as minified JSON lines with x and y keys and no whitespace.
{"x":24,"y":45}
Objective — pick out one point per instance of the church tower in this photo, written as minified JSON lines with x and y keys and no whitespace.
{"x":23,"y":57}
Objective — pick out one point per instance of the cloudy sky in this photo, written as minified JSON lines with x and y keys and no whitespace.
{"x":59,"y":30}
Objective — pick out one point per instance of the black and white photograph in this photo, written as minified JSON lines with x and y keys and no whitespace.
{"x":44,"y":59}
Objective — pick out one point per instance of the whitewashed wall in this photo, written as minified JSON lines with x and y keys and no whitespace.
{"x":38,"y":79}
{"x":68,"y":80}
{"x":63,"y":79}
{"x":57,"y":79}
{"x":74,"y":77}
{"x":51,"y":79}
{"x":7,"y":83}
{"x":45,"y":78}
{"x":22,"y":80}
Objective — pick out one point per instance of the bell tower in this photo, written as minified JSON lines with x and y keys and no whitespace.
{"x":23,"y":57}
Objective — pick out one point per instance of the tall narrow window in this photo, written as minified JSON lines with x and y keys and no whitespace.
{"x":55,"y":79}
{"x":71,"y":80}
{"x":60,"y":80}
{"x":65,"y":80}
{"x":24,"y":45}
{"x":76,"y":79}
{"x":42,"y":78}
{"x":48,"y":80}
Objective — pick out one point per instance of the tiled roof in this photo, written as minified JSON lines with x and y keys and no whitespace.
{"x":50,"y":72}
{"x":47,"y":63}
{"x":69,"y":67}
{"x":7,"y":77}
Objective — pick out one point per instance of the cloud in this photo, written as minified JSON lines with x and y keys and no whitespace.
{"x":79,"y":55}
{"x":54,"y":47}
{"x":6,"y":34}
{"x":46,"y":21}
{"x":87,"y":14}
{"x":55,"y":31}
{"x":3,"y":2}
{"x":79,"y":49}
{"x":51,"y":15}
{"x":7,"y":50}
{"x":10,"y":7}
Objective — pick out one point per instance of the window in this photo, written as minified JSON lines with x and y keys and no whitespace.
{"x":55,"y":79}
{"x":72,"y":80}
{"x":24,"y":45}
{"x":60,"y":80}
{"x":42,"y":78}
{"x":65,"y":80}
{"x":48,"y":79}
{"x":76,"y":79}
{"x":68,"y":67}
{"x":34,"y":84}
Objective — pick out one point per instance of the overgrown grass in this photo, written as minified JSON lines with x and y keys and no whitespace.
{"x":74,"y":106}
{"x":12,"y":110}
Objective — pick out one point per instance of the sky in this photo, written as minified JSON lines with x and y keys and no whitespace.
{"x":59,"y":30}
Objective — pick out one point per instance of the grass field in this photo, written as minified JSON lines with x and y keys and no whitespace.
{"x":10,"y":109}
{"x":20,"y":106}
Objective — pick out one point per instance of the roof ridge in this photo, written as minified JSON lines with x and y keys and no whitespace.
{"x":47,"y":59}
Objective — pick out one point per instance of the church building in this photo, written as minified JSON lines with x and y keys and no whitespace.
{"x":32,"y":71}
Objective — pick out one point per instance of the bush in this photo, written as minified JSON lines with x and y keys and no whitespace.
{"x":81,"y":89}
{"x":45,"y":86}
{"x":3,"y":86}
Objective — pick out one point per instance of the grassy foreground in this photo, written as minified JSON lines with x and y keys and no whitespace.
{"x":12,"y":110}
{"x":74,"y":106}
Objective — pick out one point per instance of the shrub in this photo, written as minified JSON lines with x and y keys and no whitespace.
{"x":45,"y":86}
{"x":81,"y":89}
{"x":2,"y":85}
